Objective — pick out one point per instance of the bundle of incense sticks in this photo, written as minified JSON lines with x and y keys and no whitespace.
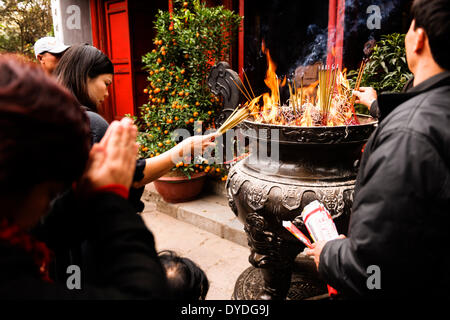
{"x":359,"y":78}
{"x":238,"y":115}
{"x":327,"y":81}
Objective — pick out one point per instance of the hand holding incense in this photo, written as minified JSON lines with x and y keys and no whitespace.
{"x":238,"y":115}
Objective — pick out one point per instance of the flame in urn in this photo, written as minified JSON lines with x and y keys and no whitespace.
{"x":325,"y":102}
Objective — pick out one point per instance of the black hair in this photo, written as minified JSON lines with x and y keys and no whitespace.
{"x":79,"y":63}
{"x":186,"y":280}
{"x":434,"y":17}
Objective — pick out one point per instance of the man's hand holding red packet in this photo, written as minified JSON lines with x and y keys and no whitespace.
{"x":321,"y":227}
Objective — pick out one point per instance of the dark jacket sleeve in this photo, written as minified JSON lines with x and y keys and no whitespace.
{"x":98,"y":127}
{"x":388,"y":222}
{"x":126,"y":258}
{"x":125,"y":251}
{"x":136,"y":193}
{"x":374,"y":111}
{"x":65,"y":224}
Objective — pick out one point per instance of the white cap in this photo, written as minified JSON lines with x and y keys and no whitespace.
{"x":49,"y":44}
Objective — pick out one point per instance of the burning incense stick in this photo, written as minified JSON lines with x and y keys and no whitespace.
{"x":295,"y":88}
{"x":291,"y":96}
{"x":301,"y":89}
{"x":333,"y":76}
{"x":248,"y":82}
{"x":358,"y":79}
{"x":278,"y":88}
{"x":246,"y":90}
{"x":360,"y":74}
{"x":323,"y":89}
{"x":245,"y":95}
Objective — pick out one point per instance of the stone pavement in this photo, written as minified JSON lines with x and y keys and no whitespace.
{"x":221,"y":259}
{"x":207,"y":231}
{"x":210,"y":212}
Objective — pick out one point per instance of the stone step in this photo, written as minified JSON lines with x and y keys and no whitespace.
{"x":209,"y":212}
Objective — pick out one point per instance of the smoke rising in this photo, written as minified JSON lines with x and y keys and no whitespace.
{"x":364,"y":20}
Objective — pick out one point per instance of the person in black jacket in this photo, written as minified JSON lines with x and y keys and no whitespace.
{"x":399,"y":238}
{"x":41,"y":123}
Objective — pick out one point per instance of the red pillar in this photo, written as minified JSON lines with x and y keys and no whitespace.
{"x":340,"y":25}
{"x":336,"y":20}
{"x":241,"y":40}
{"x":97,"y":23}
{"x":332,"y":5}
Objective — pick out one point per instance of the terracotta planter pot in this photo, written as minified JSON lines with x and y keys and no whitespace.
{"x":180,"y":189}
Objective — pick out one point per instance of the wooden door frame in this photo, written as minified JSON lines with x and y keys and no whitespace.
{"x":100,"y":41}
{"x":130,"y":60}
{"x":98,"y":24}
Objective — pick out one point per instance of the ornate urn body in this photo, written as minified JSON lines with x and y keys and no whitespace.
{"x":314,"y":163}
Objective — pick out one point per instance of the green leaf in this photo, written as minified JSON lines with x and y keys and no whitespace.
{"x":388,"y":54}
{"x":383,"y":64}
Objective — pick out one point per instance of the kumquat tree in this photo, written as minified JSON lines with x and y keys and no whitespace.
{"x":189,"y":41}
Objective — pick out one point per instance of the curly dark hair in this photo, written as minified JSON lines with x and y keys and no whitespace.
{"x":44,"y":134}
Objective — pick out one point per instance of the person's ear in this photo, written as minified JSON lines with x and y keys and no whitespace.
{"x":420,"y":40}
{"x":39,"y":57}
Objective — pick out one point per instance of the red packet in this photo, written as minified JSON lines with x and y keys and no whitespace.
{"x":297,"y":233}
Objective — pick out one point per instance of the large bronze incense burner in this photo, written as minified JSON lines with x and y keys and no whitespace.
{"x":315,"y":163}
{"x":289,"y":166}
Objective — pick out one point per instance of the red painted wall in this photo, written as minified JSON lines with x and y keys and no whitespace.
{"x":119,"y":51}
{"x":111,"y":34}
